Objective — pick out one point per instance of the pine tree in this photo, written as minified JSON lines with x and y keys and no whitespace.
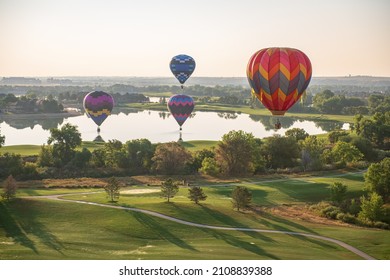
{"x":196,"y":194}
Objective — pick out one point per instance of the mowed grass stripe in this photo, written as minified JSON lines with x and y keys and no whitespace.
{"x":58,"y":230}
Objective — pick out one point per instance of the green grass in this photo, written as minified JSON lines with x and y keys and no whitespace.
{"x":59,"y":230}
{"x":30,"y":150}
{"x":24,"y":150}
{"x":197,"y":145}
{"x":43,"y":229}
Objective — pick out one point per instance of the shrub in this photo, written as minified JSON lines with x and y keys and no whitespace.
{"x":330,"y":212}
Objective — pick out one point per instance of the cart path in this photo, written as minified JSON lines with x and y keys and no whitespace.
{"x":166,"y":217}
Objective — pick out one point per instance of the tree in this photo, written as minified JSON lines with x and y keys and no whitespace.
{"x":344,"y":153}
{"x":376,"y":129}
{"x":335,"y":136}
{"x":280,"y":152}
{"x":337,"y":192}
{"x":139,"y":153}
{"x":81,"y":158}
{"x":372,"y":207}
{"x":365,"y":147}
{"x":235,"y":153}
{"x":169,"y":189}
{"x":196,"y":194}
{"x":209,"y":167}
{"x":10,"y":164}
{"x":170,"y":158}
{"x":199,"y":156}
{"x":115,"y":155}
{"x":65,"y":141}
{"x":112,"y":188}
{"x":297,"y":133}
{"x":9,"y":189}
{"x":98,"y":158}
{"x":241,"y":197}
{"x":312,"y":150}
{"x":45,"y":157}
{"x":377,"y":178}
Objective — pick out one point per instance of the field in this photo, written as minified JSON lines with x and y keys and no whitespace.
{"x":30,"y":150}
{"x":41,"y":228}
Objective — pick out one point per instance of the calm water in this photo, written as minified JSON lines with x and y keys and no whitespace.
{"x":158,"y":127}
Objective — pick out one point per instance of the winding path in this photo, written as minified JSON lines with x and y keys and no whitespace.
{"x":162,"y":216}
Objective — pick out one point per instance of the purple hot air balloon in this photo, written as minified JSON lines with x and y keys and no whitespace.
{"x":181,"y":107}
{"x":98,"y":105}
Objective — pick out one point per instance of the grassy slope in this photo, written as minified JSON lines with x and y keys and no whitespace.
{"x":29,"y":150}
{"x":57,"y":229}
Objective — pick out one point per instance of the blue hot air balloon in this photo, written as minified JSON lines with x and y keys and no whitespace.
{"x":182,"y":66}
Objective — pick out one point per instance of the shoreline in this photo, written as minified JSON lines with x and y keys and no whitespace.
{"x":40,"y":116}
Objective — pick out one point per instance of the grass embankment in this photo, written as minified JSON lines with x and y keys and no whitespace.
{"x":31,"y":150}
{"x":55,"y":229}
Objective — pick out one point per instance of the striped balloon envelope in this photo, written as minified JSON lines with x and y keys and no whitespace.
{"x":278,"y":77}
{"x":98,"y":106}
{"x":182,"y":66}
{"x":181,"y":107}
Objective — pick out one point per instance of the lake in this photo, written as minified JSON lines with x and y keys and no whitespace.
{"x":159,"y":127}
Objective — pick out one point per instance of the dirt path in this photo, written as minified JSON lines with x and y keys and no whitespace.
{"x":162,"y":216}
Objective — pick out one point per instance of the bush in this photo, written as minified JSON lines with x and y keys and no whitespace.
{"x":354,"y":207}
{"x":346,"y":218}
{"x":381,"y":225}
{"x":331,"y":212}
{"x":337,"y":192}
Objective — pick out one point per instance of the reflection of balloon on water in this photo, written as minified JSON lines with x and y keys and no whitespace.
{"x":278,"y":77}
{"x":182,"y":66}
{"x":98,"y":106}
{"x":181,"y":107}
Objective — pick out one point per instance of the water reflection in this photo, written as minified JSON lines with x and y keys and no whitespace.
{"x":46,"y":124}
{"x":158,"y":126}
{"x":98,"y":139}
{"x":227,"y":115}
{"x":329,"y":126}
{"x":269,"y":121}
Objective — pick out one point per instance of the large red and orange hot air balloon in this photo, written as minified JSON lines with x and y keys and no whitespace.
{"x":278,"y":77}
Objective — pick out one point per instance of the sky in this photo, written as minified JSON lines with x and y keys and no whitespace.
{"x":139,"y":37}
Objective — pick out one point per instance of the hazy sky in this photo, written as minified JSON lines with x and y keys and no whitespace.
{"x":139,"y":37}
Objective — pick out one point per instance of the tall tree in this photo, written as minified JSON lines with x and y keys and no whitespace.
{"x":280,"y":152}
{"x":241,"y":197}
{"x":337,"y":192}
{"x":312,"y":149}
{"x":196,"y":194}
{"x":235,"y":153}
{"x":139,"y":153}
{"x":9,"y":188}
{"x":170,"y":158}
{"x":169,"y":189}
{"x":64,"y":140}
{"x":377,"y":178}
{"x":344,"y":153}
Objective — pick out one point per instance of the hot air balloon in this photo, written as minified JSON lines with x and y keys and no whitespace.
{"x":278,"y":78}
{"x":98,"y":106}
{"x":181,"y":107}
{"x":182,"y":66}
